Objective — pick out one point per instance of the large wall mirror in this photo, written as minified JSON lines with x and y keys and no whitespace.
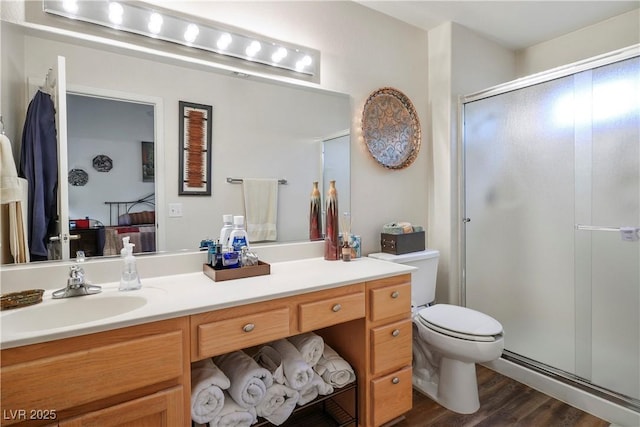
{"x":121,"y":104}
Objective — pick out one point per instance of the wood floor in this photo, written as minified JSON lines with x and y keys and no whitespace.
{"x":503,"y":402}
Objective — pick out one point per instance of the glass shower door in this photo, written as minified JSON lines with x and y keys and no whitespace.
{"x":552,"y":173}
{"x":607,"y":259}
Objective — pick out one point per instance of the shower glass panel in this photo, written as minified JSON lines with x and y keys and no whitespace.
{"x":543,"y":166}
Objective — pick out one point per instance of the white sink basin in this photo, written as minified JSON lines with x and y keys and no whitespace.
{"x":52,"y":314}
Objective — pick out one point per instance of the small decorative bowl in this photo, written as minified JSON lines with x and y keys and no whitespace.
{"x":20,"y":299}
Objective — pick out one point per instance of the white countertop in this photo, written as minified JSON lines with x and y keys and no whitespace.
{"x":184,"y":294}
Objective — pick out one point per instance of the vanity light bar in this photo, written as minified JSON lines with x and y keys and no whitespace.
{"x":151,"y":22}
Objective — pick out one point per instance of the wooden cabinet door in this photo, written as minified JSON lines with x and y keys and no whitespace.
{"x":162,"y":409}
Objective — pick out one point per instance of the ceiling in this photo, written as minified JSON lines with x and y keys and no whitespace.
{"x":515,"y":24}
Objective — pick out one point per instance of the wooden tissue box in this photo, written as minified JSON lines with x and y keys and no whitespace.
{"x":399,"y":244}
{"x":236,"y":273}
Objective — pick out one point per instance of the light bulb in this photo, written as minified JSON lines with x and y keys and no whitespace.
{"x":304,"y":62}
{"x":191,"y":33}
{"x":70,"y":6}
{"x":253,"y":48}
{"x":224,"y":41}
{"x":115,"y":12}
{"x":279,"y":54}
{"x":155,"y":23}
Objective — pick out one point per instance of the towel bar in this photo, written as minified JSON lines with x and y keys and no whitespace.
{"x":239,"y":181}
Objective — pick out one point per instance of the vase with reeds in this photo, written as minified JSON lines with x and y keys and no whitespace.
{"x":331,"y":238}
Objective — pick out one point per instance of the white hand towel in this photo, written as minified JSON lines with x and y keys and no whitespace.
{"x":261,"y":208}
{"x":310,"y":346}
{"x":249,"y":381}
{"x":278,"y":404}
{"x":336,"y":371}
{"x":14,"y":193}
{"x":297,"y":372}
{"x":233,"y":415}
{"x":207,"y":384}
{"x":316,"y":387}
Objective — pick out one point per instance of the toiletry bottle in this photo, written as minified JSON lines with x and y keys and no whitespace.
{"x":238,"y":237}
{"x":227,"y":226}
{"x":129,"y":280}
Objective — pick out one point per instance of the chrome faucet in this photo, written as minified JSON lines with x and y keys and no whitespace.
{"x":76,"y":284}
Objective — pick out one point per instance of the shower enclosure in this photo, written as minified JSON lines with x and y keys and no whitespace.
{"x":551,"y":200}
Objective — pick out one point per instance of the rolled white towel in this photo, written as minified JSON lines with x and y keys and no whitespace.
{"x":207,"y":384}
{"x":315,"y":388}
{"x":297,"y":372}
{"x":310,"y":345}
{"x":233,"y":415}
{"x":278,"y":404}
{"x":270,"y":359}
{"x":336,"y":371}
{"x":249,"y":381}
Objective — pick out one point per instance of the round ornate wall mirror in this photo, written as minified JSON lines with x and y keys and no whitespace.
{"x":391,"y":128}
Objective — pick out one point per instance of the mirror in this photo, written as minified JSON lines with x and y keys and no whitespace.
{"x":260,"y":129}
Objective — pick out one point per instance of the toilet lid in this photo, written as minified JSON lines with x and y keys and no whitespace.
{"x":460,"y":320}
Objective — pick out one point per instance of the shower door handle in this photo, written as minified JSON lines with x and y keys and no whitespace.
{"x":466,"y":220}
{"x":628,"y":234}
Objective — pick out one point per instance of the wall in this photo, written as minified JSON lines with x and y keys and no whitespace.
{"x":460,"y":61}
{"x":606,"y":36}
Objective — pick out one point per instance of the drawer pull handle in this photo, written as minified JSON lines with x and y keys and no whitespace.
{"x":248,"y":327}
{"x":395,"y":380}
{"x":336,"y":308}
{"x":395,"y":294}
{"x":395,"y":332}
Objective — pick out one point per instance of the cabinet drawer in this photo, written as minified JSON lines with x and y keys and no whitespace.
{"x":162,"y":409}
{"x":223,"y":336}
{"x":390,"y":301}
{"x":80,"y":377}
{"x":391,"y":396}
{"x":391,"y":346}
{"x":330,"y":311}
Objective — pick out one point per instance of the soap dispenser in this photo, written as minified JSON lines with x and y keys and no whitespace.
{"x":129,"y":280}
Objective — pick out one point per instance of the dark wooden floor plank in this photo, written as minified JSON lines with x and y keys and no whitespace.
{"x":503,"y":403}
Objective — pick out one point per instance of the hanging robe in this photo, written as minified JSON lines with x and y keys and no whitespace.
{"x":39,"y":165}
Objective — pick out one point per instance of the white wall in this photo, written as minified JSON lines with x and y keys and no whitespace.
{"x":606,"y":36}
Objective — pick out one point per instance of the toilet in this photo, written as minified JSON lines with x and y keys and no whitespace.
{"x":448,"y":340}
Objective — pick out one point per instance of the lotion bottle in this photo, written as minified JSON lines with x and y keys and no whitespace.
{"x":129,"y":280}
{"x":238,"y":237}
{"x":227,"y":226}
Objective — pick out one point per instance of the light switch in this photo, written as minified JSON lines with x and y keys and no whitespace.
{"x":175,"y":210}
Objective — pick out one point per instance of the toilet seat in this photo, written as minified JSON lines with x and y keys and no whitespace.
{"x":460,"y":322}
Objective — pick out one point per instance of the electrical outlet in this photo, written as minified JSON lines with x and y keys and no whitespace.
{"x":175,"y":210}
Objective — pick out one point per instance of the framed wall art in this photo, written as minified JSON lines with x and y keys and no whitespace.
{"x":391,"y":129}
{"x":195,"y":149}
{"x":148,"y":165}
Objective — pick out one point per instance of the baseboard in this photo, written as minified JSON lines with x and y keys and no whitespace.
{"x":597,"y":406}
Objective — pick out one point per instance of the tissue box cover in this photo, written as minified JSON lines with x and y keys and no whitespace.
{"x":399,"y":244}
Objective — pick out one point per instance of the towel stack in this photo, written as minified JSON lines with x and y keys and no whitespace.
{"x":401,"y":228}
{"x":235,"y":388}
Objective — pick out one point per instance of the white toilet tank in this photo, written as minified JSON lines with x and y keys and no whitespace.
{"x":423,"y":280}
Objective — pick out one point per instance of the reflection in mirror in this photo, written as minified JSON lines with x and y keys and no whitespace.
{"x":261,"y":129}
{"x":113,"y":140}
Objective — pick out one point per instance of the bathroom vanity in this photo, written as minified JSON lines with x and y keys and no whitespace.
{"x":134,"y":368}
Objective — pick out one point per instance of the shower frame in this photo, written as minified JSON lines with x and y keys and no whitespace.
{"x":516,"y":361}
